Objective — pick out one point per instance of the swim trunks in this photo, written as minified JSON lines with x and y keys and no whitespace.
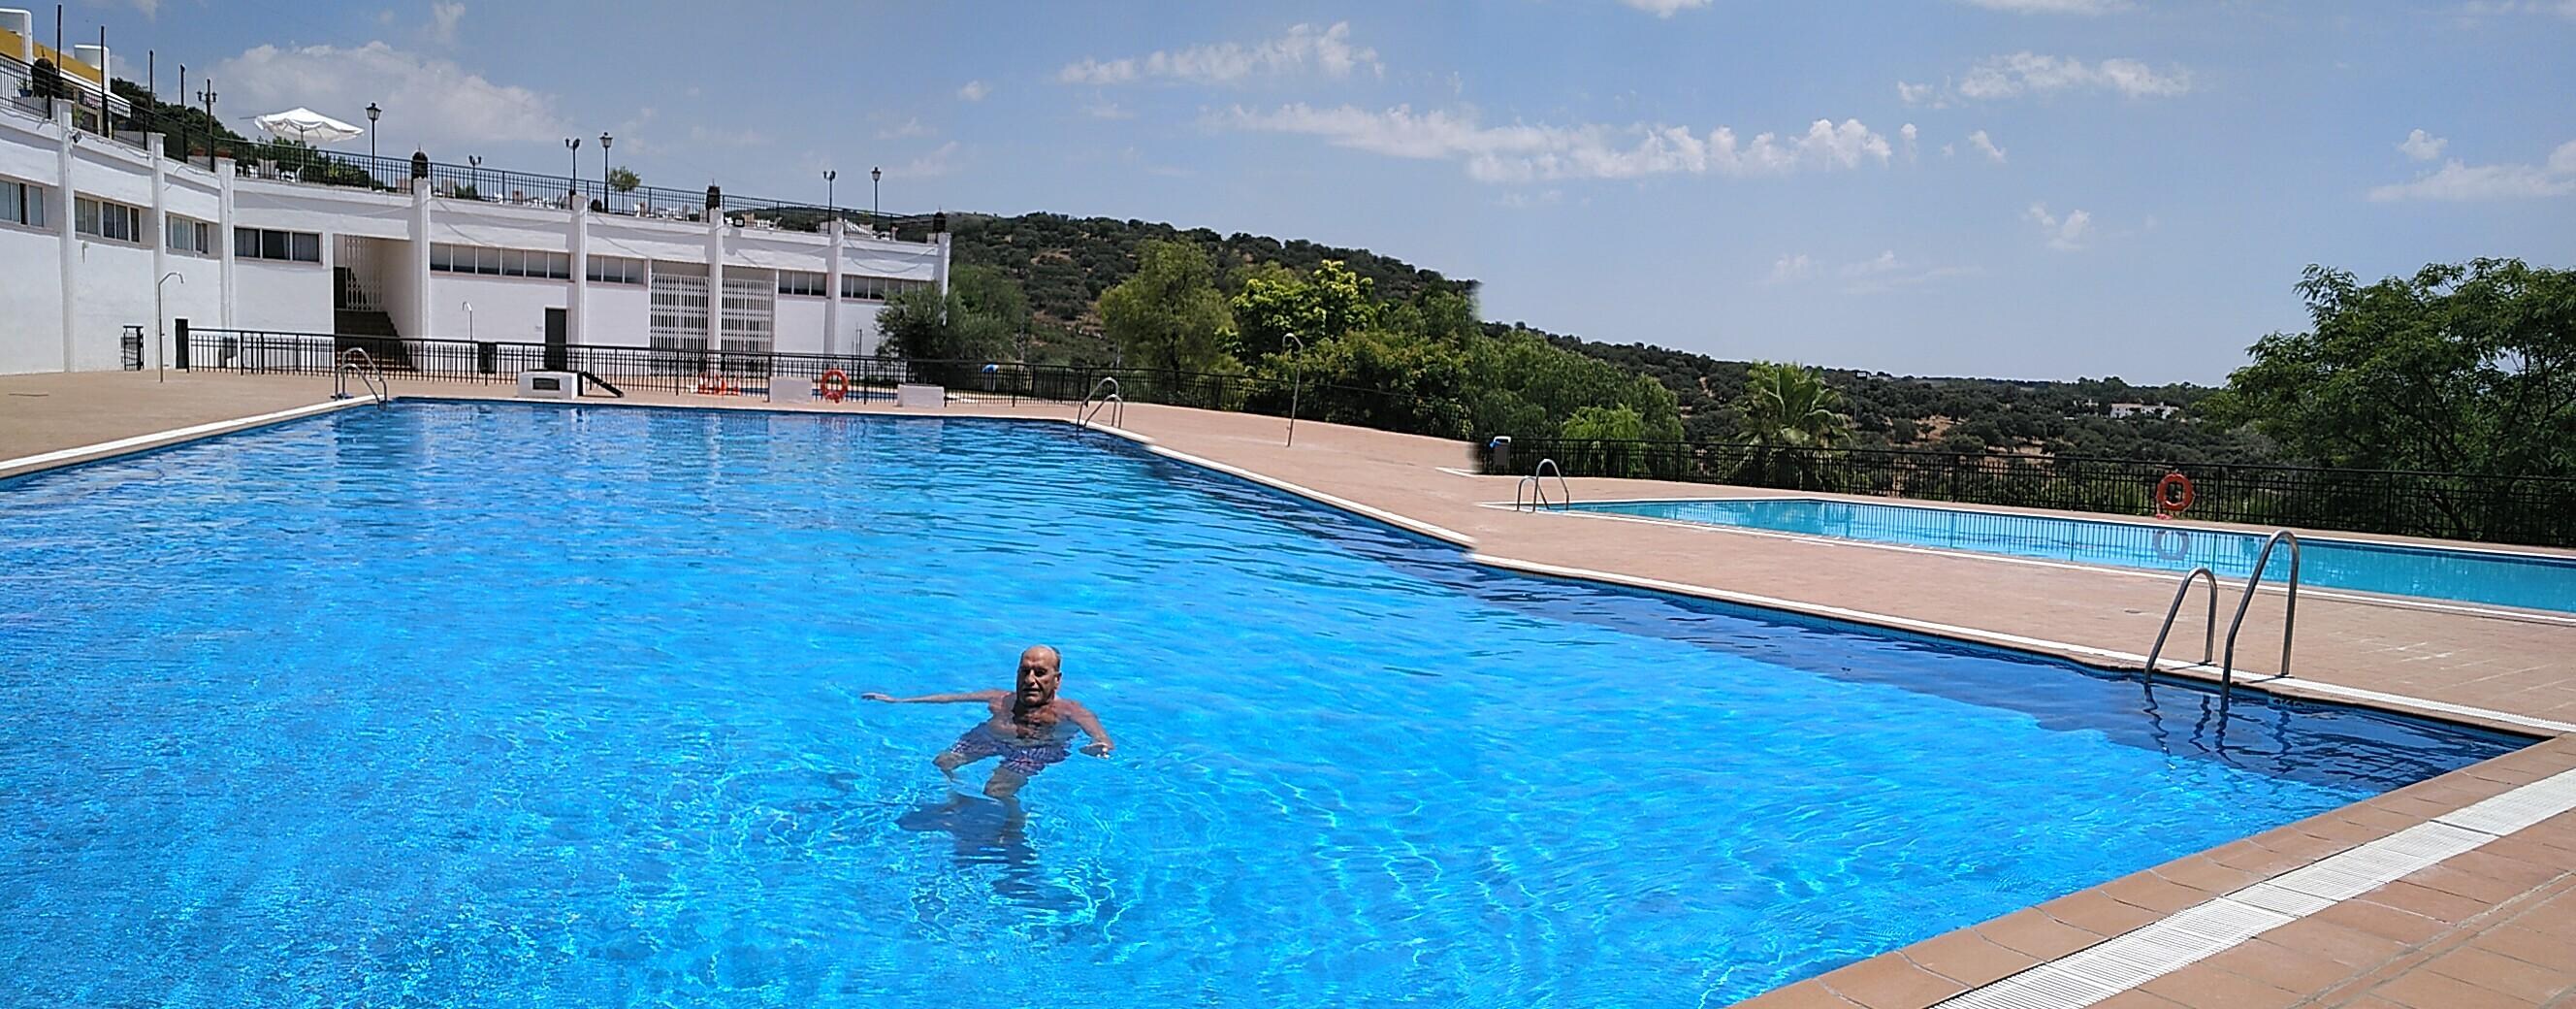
{"x":1026,"y":759}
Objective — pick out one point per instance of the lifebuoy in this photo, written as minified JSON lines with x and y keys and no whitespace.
{"x":2167,"y":505}
{"x":716,"y":385}
{"x":834,"y":384}
{"x":2181,"y":541}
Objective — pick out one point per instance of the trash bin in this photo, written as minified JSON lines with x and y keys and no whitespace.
{"x":1498,"y":454}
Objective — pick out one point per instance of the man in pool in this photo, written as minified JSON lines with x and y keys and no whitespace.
{"x":1028,"y":728}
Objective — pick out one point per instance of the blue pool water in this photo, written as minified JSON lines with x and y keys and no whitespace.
{"x":2527,"y":580}
{"x":465,"y":705}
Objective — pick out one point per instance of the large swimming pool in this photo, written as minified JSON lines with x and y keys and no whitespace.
{"x":2533,"y":581}
{"x":453,"y":705}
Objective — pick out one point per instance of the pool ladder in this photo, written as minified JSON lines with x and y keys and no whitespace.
{"x":1104,"y":396}
{"x":1532,"y":492}
{"x":356,"y":361}
{"x":2227,"y":664}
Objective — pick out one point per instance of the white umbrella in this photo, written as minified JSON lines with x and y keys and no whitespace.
{"x":306,"y":125}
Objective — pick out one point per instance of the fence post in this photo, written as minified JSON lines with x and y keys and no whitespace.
{"x":179,"y":333}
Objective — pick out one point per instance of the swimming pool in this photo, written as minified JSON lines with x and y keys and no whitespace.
{"x":2533,"y":581}
{"x":452,"y":705}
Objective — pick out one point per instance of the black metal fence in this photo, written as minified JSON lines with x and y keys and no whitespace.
{"x":2501,"y":509}
{"x":752,"y":372}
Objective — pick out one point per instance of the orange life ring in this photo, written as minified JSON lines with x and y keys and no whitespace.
{"x":717,"y":385}
{"x":834,"y":384}
{"x":2166,"y":504}
{"x":2181,"y":541}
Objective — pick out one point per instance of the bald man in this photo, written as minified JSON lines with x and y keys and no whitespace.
{"x":1029,"y":727}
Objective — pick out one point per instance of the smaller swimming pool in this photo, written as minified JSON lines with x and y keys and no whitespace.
{"x":2532,"y":581}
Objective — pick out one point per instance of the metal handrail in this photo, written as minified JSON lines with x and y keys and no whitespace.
{"x":1103,"y":395}
{"x":2289,"y":617}
{"x":2209,"y":631}
{"x":1532,"y":489}
{"x":356,"y":361}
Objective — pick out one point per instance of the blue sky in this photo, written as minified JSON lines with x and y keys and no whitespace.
{"x":2021,"y":188}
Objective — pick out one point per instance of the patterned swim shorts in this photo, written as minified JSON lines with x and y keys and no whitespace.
{"x":981,"y":742}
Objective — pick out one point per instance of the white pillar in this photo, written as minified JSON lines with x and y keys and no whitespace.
{"x":67,"y":239}
{"x":939,"y":270}
{"x":577,"y":307}
{"x":158,"y":233}
{"x":224,"y":242}
{"x":832,"y":288}
{"x":417,"y":260}
{"x":715,"y":280}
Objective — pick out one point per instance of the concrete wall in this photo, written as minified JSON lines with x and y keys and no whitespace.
{"x":797,"y":326}
{"x":282,"y":297}
{"x":620,"y":316}
{"x":859,"y":326}
{"x":31,"y":301}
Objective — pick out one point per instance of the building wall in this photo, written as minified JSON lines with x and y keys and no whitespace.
{"x":506,"y":309}
{"x":859,"y":325}
{"x":798,"y":324}
{"x":31,"y":301}
{"x":620,"y":316}
{"x":282,"y":297}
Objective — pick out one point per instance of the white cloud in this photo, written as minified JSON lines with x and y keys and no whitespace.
{"x":1328,"y":51}
{"x":1910,"y":134}
{"x":2562,"y":8}
{"x":1108,"y":110}
{"x":1521,"y":201}
{"x":2421,"y":146}
{"x":1521,"y":151}
{"x":443,"y":17}
{"x":1789,"y":268}
{"x":938,"y":162}
{"x":2464,"y":182}
{"x":2065,"y":234}
{"x":2054,"y":6}
{"x":908,"y":128}
{"x":2026,"y":73}
{"x":150,"y":9}
{"x":429,"y":103}
{"x":1665,"y":8}
{"x":1986,"y":145}
{"x":974,"y":91}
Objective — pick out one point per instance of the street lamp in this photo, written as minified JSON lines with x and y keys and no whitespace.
{"x":469,"y":322}
{"x":474,"y":174}
{"x":160,"y":339}
{"x":604,"y":140}
{"x":373,"y":113}
{"x":1296,"y":379}
{"x":207,"y":95}
{"x":572,"y":145}
{"x":874,"y":216}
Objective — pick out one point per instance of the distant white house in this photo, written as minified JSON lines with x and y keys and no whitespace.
{"x":93,"y":226}
{"x":2144,"y":409}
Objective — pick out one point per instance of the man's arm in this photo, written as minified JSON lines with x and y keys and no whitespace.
{"x":987,"y":696}
{"x":1101,"y":745}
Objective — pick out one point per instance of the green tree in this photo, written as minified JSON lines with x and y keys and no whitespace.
{"x":1788,"y":406}
{"x":622,"y":179}
{"x":1276,"y":304}
{"x":1376,"y":378}
{"x":2462,"y":368}
{"x":1168,"y":315}
{"x":1605,"y":434}
{"x":977,"y":321}
{"x":1522,"y":385}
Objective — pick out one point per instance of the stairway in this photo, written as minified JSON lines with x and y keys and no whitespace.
{"x":372,"y":331}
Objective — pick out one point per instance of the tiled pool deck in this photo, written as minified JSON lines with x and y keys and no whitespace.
{"x":2493,"y":925}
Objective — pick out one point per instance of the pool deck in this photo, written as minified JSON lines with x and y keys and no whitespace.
{"x":2483,"y":916}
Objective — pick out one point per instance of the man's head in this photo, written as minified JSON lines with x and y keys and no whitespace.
{"x":1041,"y":669}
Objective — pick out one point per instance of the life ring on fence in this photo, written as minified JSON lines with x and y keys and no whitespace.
{"x":717,"y":385}
{"x":2181,"y":541}
{"x":834,"y":385}
{"x":2168,"y":506}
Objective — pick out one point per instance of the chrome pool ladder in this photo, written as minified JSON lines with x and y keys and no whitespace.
{"x":356,"y":361}
{"x":1532,"y":491}
{"x":1104,"y":396}
{"x":2235,"y":625}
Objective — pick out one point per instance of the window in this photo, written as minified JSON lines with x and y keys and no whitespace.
{"x":855,"y":285}
{"x":189,"y":236}
{"x":616,"y":270}
{"x":283,"y":246}
{"x":802,"y":282}
{"x":102,"y":219}
{"x":444,"y":258}
{"x":22,"y":203}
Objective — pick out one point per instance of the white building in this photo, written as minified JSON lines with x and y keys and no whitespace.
{"x":97,"y":234}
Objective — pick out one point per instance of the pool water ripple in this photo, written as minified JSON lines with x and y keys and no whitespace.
{"x":462,"y":705}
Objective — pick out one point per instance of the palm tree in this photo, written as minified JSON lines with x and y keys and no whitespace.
{"x":1789,"y":407}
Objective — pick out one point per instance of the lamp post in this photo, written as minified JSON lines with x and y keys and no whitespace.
{"x":604,"y":141}
{"x":474,"y":174}
{"x":160,"y":338}
{"x":874,"y":215}
{"x":373,"y":113}
{"x":572,"y":145}
{"x":207,"y":95}
{"x":469,"y":322}
{"x":1296,"y":380}
{"x":831,"y":201}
